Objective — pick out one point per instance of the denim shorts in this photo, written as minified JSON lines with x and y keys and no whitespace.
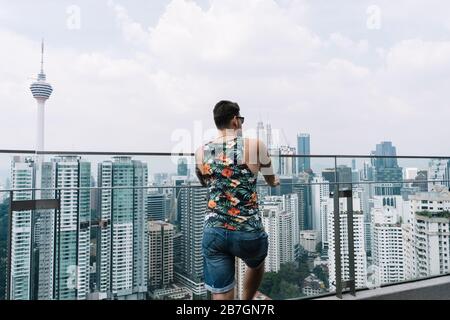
{"x":221,"y":246}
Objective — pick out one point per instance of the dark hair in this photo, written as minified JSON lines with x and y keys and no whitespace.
{"x":223,"y":112}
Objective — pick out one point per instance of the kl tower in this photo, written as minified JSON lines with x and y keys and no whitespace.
{"x":41,"y":91}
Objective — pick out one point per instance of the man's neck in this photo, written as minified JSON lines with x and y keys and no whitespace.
{"x":228,"y":133}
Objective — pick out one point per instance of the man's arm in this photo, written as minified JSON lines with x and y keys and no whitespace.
{"x":199,"y":165}
{"x":265,"y":165}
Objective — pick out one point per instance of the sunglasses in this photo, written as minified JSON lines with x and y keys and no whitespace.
{"x":241,"y":118}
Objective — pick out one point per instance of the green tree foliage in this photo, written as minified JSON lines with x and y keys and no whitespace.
{"x":321,"y":274}
{"x":287,"y":283}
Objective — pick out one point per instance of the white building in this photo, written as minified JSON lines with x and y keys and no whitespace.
{"x":312,"y":286}
{"x":22,"y":177}
{"x":160,"y":238}
{"x":438,"y":170}
{"x":73,"y":234}
{"x":387,"y":245}
{"x":60,"y":244}
{"x":320,"y":192}
{"x":240,"y":270}
{"x":431,"y":231}
{"x":279,"y":220}
{"x":171,"y":293}
{"x":122,"y":247}
{"x":278,"y":225}
{"x":359,"y":242}
{"x":309,"y":240}
{"x":286,"y":165}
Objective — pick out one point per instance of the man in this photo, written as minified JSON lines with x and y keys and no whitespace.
{"x":229,"y":166}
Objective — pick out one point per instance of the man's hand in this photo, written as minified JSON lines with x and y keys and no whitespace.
{"x":276,"y":182}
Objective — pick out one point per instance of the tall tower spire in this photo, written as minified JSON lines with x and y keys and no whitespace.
{"x":41,"y":91}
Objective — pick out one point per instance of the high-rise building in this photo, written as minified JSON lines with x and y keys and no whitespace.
{"x":279,"y":222}
{"x":309,"y":240}
{"x":387,"y":246}
{"x":58,"y":261}
{"x":288,"y":203}
{"x":286,"y":161}
{"x":359,"y":246}
{"x":410,"y":173}
{"x":160,"y":237}
{"x":320,"y":192}
{"x":298,"y":185}
{"x":303,"y":148}
{"x":420,"y":181}
{"x":240,"y":269}
{"x":344,"y":176}
{"x":182,"y":167}
{"x":264,"y":134}
{"x":388,"y":174}
{"x":438,"y":172}
{"x":175,"y":211}
{"x":72,"y":239}
{"x":123,"y":245}
{"x":302,"y":188}
{"x":20,"y":265}
{"x":192,"y":199}
{"x":156,"y":206}
{"x":430,"y":227}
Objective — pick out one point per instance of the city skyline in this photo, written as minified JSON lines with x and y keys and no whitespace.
{"x":149,"y":85}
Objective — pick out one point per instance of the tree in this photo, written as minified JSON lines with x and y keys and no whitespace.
{"x":321,"y":274}
{"x":319,"y":247}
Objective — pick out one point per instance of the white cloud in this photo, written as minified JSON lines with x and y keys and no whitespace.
{"x":132,"y":31}
{"x":255,"y":52}
{"x":346,"y":43}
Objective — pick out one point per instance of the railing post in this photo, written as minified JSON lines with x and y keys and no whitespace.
{"x":8,"y":266}
{"x":351,"y":243}
{"x":337,"y":234}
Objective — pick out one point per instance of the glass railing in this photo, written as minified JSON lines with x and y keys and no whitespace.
{"x":98,"y":225}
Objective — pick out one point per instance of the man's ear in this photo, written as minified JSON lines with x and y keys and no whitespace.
{"x":235,"y":123}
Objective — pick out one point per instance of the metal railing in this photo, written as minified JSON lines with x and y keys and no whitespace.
{"x":336,"y":192}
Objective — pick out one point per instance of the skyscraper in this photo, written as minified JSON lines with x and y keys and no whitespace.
{"x":160,"y":244}
{"x":182,"y":167}
{"x":72,"y":238}
{"x":303,"y":148}
{"x":56,"y":259}
{"x":387,"y":245}
{"x":192,"y":213}
{"x":387,"y":172}
{"x":420,"y":181}
{"x":359,"y":246}
{"x":430,"y":228}
{"x":281,"y":225}
{"x":344,"y":176}
{"x":439,"y":172}
{"x":286,"y":164}
{"x":20,"y":248}
{"x":156,"y":206}
{"x":320,"y":192}
{"x":122,"y":247}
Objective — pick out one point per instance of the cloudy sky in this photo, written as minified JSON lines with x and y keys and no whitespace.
{"x":137,"y":75}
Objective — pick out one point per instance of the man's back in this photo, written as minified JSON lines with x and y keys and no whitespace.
{"x":233,"y":199}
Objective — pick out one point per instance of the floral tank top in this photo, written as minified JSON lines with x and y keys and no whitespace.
{"x":232,"y":200}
